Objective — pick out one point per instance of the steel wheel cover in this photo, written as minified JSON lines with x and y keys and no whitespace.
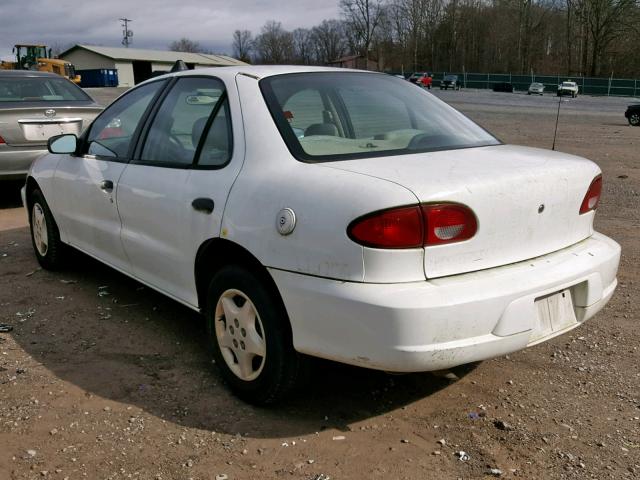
{"x":39,"y":229}
{"x":240,"y":334}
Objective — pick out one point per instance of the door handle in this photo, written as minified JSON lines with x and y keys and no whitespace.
{"x":106,"y":185}
{"x":204,"y":205}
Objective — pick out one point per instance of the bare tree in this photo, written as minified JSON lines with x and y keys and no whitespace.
{"x":501,"y":36}
{"x":303,"y":46}
{"x":274,"y":44}
{"x":607,"y":20}
{"x":362,"y":18}
{"x":329,"y":40}
{"x":185,"y":45}
{"x":58,"y":47}
{"x":242,"y":45}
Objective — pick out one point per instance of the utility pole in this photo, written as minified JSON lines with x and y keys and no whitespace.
{"x":126,"y":33}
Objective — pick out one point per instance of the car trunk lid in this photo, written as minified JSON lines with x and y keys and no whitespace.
{"x":33,"y":125}
{"x":526,"y":200}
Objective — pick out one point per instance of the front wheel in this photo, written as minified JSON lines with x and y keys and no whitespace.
{"x":634,"y":119}
{"x":251,"y":336}
{"x":45,"y":236}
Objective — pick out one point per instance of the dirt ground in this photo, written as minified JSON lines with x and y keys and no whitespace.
{"x":102,"y":378}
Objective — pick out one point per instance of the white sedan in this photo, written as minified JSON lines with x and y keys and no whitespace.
{"x":340,"y":214}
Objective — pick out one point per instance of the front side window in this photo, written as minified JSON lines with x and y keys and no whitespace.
{"x":39,"y":89}
{"x":325,"y":116}
{"x":112,"y":132}
{"x":176,"y":130}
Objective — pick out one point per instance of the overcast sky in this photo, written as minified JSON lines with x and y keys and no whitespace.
{"x":155,"y":22}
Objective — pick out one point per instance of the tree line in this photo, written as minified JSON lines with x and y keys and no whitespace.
{"x":572,"y":37}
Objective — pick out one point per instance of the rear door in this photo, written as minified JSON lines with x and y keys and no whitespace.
{"x":86,"y":186}
{"x":172,"y":196}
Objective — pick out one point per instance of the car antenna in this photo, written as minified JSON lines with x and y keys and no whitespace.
{"x":555,"y":133}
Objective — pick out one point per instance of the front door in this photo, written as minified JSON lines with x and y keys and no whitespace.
{"x":86,"y":185}
{"x":172,"y":195}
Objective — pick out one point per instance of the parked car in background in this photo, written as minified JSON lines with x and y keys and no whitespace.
{"x":568,"y":88}
{"x":422,"y":79}
{"x":33,"y":107}
{"x":633,"y":114}
{"x":503,"y":87}
{"x":450,"y":81}
{"x":536,"y":88}
{"x":340,"y":214}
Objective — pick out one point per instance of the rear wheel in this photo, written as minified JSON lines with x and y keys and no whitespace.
{"x":634,"y":119}
{"x":45,"y":236}
{"x":250,"y":336}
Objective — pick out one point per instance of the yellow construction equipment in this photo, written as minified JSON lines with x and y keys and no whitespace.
{"x":38,"y":57}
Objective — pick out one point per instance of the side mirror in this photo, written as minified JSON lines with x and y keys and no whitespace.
{"x":67,"y":143}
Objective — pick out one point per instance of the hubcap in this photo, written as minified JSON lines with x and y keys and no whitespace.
{"x":240,"y":334}
{"x":39,"y":228}
{"x":635,"y":119}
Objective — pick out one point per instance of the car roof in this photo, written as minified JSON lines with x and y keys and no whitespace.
{"x":263,"y":71}
{"x":27,"y":73}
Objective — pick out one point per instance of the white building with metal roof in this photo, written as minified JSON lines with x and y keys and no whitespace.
{"x":135,"y":65}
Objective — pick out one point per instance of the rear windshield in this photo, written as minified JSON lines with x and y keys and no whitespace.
{"x":327,"y":116}
{"x":40,"y":89}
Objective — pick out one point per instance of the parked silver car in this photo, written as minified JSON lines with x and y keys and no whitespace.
{"x":536,"y":88}
{"x":33,"y":107}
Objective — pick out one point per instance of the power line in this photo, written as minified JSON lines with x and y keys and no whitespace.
{"x":126,"y":33}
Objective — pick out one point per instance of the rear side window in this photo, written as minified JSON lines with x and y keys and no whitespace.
{"x":39,"y":89}
{"x":112,"y":132}
{"x":217,"y":145}
{"x":174,"y":135}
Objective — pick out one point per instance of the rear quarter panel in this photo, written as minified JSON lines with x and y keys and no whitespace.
{"x":325,"y":201}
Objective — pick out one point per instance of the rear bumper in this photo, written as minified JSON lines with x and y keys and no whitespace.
{"x":445,"y":322}
{"x":15,"y":161}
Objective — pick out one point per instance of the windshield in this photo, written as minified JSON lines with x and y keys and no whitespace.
{"x":451,"y":77}
{"x":39,"y":89}
{"x":339,"y":116}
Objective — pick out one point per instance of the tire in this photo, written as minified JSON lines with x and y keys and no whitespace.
{"x":266,"y":375}
{"x":45,"y":236}
{"x":634,"y":119}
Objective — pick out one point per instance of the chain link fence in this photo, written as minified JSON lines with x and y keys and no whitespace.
{"x":622,"y":87}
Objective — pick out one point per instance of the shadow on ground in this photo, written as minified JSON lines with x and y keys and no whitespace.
{"x":112,"y":337}
{"x":10,"y":193}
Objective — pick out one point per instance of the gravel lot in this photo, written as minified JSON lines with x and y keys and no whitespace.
{"x":102,"y":378}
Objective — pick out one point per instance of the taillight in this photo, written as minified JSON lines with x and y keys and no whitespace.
{"x":395,"y":228}
{"x":447,"y":223}
{"x":2,"y":139}
{"x":592,"y":198}
{"x":414,"y":227}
